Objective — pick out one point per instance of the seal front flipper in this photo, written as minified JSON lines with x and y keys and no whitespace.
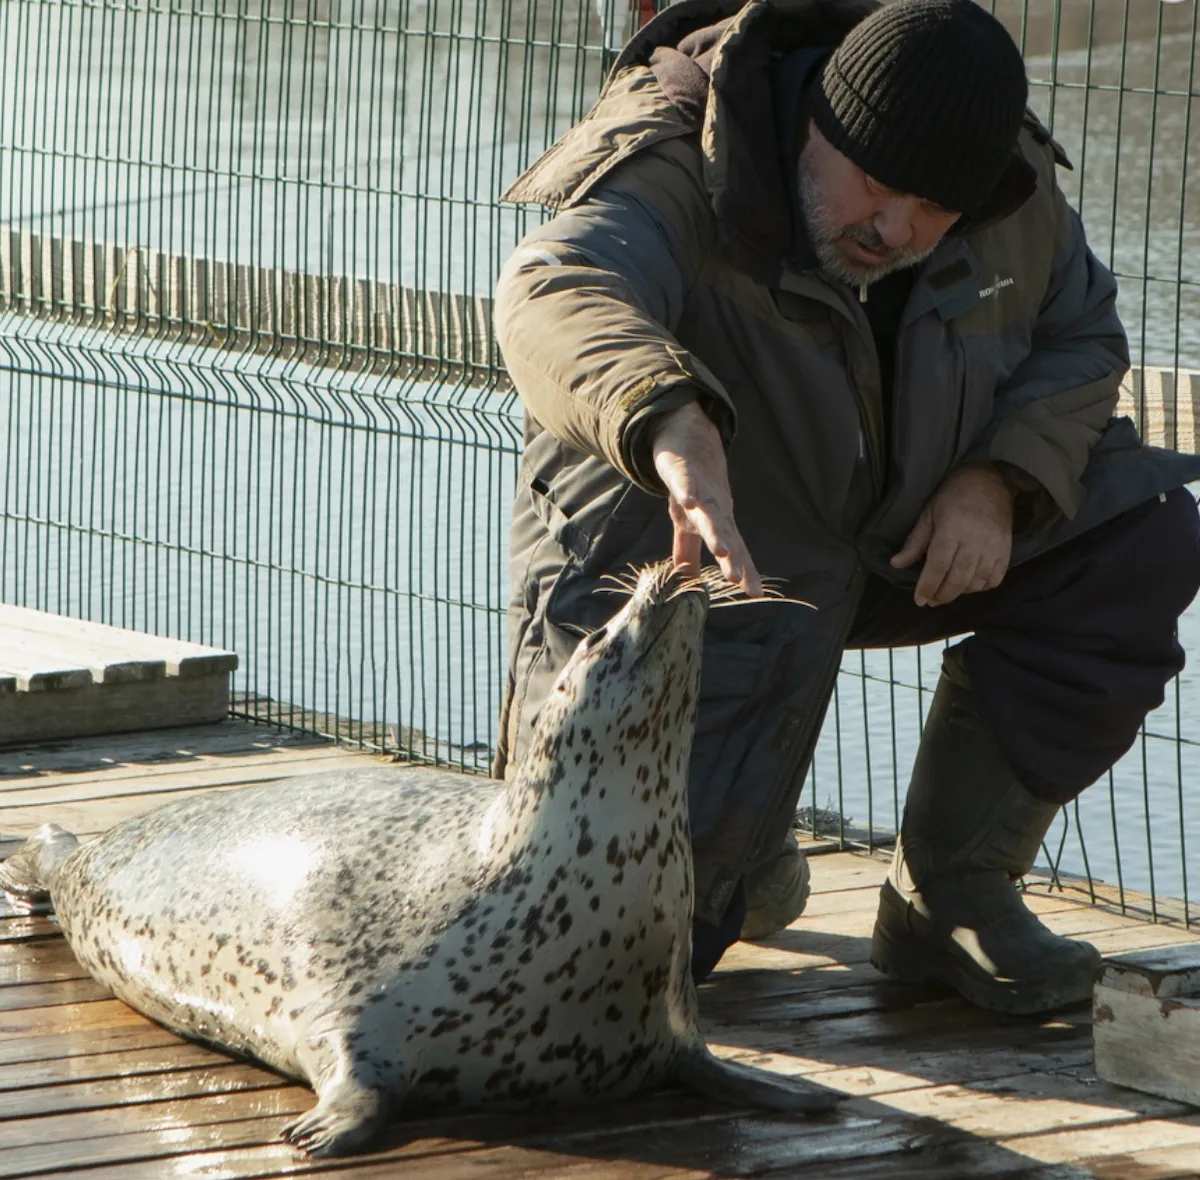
{"x":742,"y":1085}
{"x":355,"y":1100}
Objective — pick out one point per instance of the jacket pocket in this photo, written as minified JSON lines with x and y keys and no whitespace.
{"x":565,"y":531}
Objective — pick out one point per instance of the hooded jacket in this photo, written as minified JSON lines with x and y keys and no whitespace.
{"x":672,"y":272}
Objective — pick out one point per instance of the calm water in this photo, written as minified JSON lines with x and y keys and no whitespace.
{"x":276,"y":536}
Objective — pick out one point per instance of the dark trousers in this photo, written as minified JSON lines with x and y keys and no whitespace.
{"x":1069,"y":653}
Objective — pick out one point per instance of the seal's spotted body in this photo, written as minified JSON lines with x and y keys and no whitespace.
{"x":411,"y":936}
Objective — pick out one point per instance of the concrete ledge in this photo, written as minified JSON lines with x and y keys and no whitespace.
{"x":330,"y":320}
{"x":351,"y":323}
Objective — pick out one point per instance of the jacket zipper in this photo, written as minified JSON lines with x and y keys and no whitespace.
{"x":871,"y":434}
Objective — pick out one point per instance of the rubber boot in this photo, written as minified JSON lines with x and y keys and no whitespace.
{"x":776,"y":891}
{"x":950,"y":910}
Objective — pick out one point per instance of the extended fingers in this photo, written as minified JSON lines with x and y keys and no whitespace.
{"x":685,"y":548}
{"x":719,"y":532}
{"x":710,"y":521}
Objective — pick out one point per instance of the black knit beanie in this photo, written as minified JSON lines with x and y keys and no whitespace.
{"x":926,"y":97}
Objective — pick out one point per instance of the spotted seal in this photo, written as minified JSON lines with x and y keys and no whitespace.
{"x":401,"y":936}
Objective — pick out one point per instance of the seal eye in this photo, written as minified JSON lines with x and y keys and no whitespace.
{"x":596,"y":638}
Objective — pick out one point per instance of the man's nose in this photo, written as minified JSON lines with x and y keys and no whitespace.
{"x":895,"y":223}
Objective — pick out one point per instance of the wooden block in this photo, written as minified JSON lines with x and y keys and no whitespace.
{"x":118,"y":680}
{"x":113,"y":708}
{"x":1146,"y":1013}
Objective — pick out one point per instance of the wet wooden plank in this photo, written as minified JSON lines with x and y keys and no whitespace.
{"x":44,"y":995}
{"x":62,"y":1129}
{"x":137,"y":1062}
{"x":454,"y":1134}
{"x":142,"y":752}
{"x":156,"y":1155}
{"x":68,"y":1019}
{"x":1023,"y":1104}
{"x":875,"y":994}
{"x":255,"y":769}
{"x":131,"y":1090}
{"x":872,"y":1060}
{"x":955,"y":1160}
{"x":743,"y":1146}
{"x":831,"y":873}
{"x":412,"y":1138}
{"x":79,"y":1140}
{"x":845,"y":938}
{"x":62,"y":1046}
{"x":43,"y":962}
{"x":1111,"y":1141}
{"x":36,"y":927}
{"x":920,"y":1031}
{"x":1179,"y":1162}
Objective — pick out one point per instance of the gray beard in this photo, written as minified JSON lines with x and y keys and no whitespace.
{"x":823,"y":231}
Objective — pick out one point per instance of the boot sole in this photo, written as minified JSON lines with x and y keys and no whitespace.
{"x":912,"y":960}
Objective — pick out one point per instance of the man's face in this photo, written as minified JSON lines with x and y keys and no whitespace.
{"x":861,"y":230}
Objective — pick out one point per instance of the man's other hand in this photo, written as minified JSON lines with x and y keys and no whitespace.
{"x":690,"y":460}
{"x":965,"y":535}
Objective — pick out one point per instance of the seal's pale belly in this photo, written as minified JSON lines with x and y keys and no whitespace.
{"x":407,"y":910}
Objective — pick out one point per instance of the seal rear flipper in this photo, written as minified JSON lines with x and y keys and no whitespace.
{"x":742,"y":1085}
{"x":346,"y":1119}
{"x":355,"y":1100}
{"x":29,"y":872}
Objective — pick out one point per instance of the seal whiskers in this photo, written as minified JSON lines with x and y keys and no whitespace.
{"x":408,"y":937}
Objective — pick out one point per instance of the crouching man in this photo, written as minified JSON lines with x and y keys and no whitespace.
{"x":811,"y":265}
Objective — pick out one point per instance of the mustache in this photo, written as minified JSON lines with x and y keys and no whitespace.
{"x":864,"y":235}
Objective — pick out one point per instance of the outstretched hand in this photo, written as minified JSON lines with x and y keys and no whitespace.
{"x":964,"y":534}
{"x":690,"y":460}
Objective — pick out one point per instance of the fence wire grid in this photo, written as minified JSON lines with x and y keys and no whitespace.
{"x":250,"y":395}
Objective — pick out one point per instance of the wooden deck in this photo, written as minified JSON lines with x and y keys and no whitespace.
{"x":937,"y":1089}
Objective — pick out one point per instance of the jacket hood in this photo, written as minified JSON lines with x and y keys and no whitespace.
{"x":714,"y":60}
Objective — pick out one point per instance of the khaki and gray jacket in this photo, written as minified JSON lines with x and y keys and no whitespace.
{"x":666,"y":276}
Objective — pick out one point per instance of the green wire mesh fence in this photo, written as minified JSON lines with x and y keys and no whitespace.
{"x":250,"y":395}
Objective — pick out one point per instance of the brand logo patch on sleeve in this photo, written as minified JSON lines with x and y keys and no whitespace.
{"x":998,"y":285}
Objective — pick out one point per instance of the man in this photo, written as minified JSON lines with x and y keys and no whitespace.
{"x":811,"y":267}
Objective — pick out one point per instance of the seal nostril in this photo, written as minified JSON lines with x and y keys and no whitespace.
{"x":596,"y":637}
